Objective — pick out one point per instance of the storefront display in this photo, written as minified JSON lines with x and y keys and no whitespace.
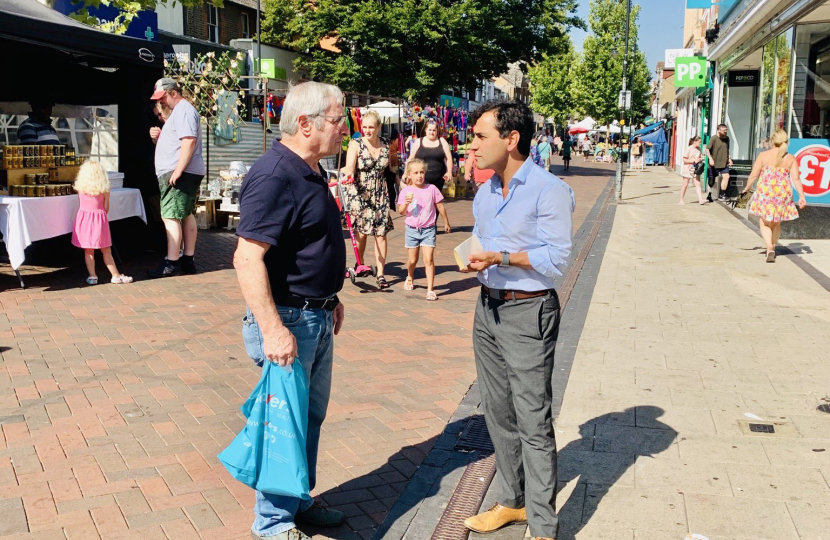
{"x":810,"y":118}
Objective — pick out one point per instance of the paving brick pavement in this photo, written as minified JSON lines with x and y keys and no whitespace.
{"x":690,"y":337}
{"x":115,"y":400}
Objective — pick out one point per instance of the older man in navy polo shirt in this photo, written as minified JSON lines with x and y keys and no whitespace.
{"x":291,"y":262}
{"x":523,"y":219}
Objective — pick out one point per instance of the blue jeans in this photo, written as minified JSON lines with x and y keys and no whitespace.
{"x":312,"y":329}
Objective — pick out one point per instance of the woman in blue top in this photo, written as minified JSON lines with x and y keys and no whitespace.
{"x":544,"y":151}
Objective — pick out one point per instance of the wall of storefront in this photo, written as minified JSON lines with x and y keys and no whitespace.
{"x":793,"y":56}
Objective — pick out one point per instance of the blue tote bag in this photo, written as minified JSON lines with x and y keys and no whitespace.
{"x":269,"y":454}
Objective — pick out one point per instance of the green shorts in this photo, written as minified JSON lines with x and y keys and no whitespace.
{"x":179,"y":201}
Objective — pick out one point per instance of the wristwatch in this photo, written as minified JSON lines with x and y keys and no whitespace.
{"x":505,"y":259}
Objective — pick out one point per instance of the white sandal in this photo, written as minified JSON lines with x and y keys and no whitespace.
{"x":431,"y":296}
{"x":92,"y":280}
{"x":121,"y":279}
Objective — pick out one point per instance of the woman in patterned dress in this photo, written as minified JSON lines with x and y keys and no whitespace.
{"x":773,"y":202}
{"x":367,"y":198}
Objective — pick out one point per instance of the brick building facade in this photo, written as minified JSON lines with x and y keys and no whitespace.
{"x":229,"y":21}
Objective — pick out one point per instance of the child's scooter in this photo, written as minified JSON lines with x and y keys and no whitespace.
{"x":360,"y":270}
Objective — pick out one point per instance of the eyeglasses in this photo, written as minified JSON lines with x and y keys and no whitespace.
{"x":334,"y":119}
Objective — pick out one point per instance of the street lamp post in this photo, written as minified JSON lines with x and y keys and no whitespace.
{"x":624,"y":88}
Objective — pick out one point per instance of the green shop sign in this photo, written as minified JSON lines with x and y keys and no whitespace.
{"x":270,"y":70}
{"x":690,"y":71}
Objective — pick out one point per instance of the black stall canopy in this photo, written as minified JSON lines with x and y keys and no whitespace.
{"x":47,"y":56}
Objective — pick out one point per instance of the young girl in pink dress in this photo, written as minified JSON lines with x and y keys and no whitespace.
{"x":92,"y":228}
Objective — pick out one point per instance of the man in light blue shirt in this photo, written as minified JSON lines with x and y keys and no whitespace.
{"x":523,"y":219}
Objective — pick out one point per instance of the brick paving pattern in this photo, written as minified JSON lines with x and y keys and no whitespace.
{"x":115,"y":400}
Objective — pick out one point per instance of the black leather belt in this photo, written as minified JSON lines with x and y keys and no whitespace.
{"x":310,"y":303}
{"x":502,"y":294}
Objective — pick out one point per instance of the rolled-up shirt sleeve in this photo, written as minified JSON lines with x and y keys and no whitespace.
{"x":554,"y":230}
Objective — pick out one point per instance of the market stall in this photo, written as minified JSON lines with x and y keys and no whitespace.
{"x":24,"y":220}
{"x":657,"y":147}
{"x":105,"y":80}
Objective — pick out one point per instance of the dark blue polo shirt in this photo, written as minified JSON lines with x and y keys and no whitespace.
{"x":285,"y":203}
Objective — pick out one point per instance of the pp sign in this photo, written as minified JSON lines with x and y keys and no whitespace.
{"x":813,"y":157}
{"x":690,"y":71}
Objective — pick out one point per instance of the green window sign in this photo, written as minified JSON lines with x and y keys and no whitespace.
{"x":690,"y":71}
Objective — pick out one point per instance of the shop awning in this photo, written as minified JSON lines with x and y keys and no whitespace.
{"x":28,"y":21}
{"x":649,"y":129}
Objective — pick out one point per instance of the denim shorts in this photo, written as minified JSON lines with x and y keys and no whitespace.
{"x":420,"y":237}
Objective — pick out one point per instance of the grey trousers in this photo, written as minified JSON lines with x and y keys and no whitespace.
{"x":514,"y":343}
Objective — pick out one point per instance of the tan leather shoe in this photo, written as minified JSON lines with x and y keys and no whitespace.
{"x":495,"y":518}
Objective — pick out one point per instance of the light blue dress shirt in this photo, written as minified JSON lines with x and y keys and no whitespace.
{"x":536,"y":217}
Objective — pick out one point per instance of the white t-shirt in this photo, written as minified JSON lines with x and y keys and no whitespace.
{"x":183,"y":122}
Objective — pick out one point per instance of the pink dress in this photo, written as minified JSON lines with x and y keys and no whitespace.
{"x":92,"y":228}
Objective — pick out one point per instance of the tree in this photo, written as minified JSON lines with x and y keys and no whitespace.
{"x":128,"y":11}
{"x":597,"y":79}
{"x":416,"y":48}
{"x":550,"y":84}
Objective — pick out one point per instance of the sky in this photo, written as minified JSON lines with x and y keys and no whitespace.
{"x":661,"y":27}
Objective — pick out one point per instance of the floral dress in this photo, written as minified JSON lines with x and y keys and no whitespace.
{"x":367,"y":198}
{"x":774,"y":199}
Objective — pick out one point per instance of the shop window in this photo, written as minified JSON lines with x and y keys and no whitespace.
{"x":775,"y":86}
{"x":213,"y":23}
{"x":92,"y":131}
{"x":246,"y":26}
{"x":810,"y":117}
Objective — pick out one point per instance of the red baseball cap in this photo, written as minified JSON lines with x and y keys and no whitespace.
{"x":162,"y":86}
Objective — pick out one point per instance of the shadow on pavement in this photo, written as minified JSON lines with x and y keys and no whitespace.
{"x":367,"y":499}
{"x":609,"y":445}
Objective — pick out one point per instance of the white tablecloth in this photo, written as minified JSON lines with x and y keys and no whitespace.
{"x":24,"y":220}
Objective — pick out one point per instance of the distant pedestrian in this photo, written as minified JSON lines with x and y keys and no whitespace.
{"x":289,"y":262}
{"x":92,"y":227}
{"x":567,"y":145}
{"x":586,"y":147}
{"x":544,"y":149}
{"x":718,"y":153}
{"x":557,"y":144}
{"x":180,"y":170}
{"x":435,"y":151}
{"x":638,"y":154}
{"x":773,"y":202}
{"x":691,"y":158}
{"x":421,"y":203}
{"x":523,"y":219}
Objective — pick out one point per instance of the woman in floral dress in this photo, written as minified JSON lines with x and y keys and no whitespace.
{"x":367,"y":198}
{"x":773,"y":202}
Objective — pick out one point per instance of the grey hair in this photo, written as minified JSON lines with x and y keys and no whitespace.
{"x":307,"y":99}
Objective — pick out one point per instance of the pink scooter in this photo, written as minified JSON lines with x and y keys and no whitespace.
{"x":360,"y":270}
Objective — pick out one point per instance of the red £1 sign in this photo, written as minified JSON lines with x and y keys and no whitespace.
{"x":814,"y":167}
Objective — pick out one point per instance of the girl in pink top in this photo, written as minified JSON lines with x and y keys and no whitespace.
{"x":691,"y":157}
{"x":419,"y":202}
{"x":92,"y":228}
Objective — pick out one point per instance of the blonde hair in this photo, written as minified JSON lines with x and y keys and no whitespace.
{"x":92,"y":179}
{"x":780,"y":139}
{"x":409,"y":164}
{"x":371,"y":114}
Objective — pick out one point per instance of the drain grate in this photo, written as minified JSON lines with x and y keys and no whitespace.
{"x":824,"y":407}
{"x":466,"y":499}
{"x":761,"y":428}
{"x":768,"y":429}
{"x":475,"y":436}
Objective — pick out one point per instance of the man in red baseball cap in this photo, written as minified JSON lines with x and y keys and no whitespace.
{"x":180,"y":170}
